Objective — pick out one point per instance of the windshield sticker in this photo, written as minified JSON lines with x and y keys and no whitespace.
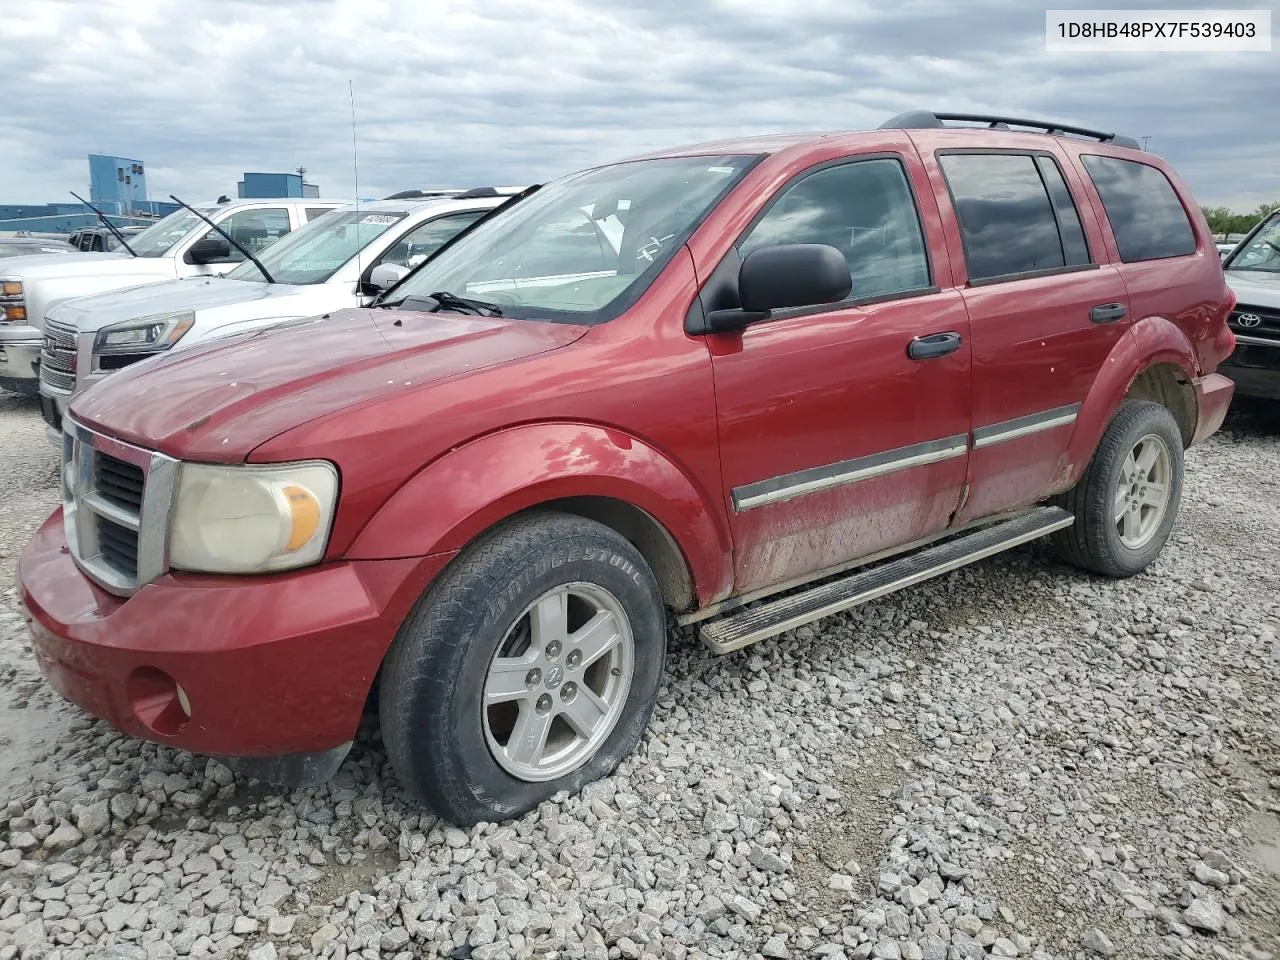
{"x":647,"y":251}
{"x":721,"y":170}
{"x":381,"y":218}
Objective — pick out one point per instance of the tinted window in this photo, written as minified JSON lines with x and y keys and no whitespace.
{"x":313,"y":212}
{"x":863,"y":209}
{"x":1145,"y":213}
{"x":1006,"y":219}
{"x":1074,"y":248}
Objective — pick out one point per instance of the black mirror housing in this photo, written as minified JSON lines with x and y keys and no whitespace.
{"x":793,"y":275}
{"x":209,"y":250}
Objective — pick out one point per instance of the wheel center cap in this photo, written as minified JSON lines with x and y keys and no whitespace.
{"x":554,"y":676}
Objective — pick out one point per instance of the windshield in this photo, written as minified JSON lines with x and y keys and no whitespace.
{"x":582,"y":249}
{"x":1260,"y":251}
{"x":314,"y":252}
{"x":156,"y":240}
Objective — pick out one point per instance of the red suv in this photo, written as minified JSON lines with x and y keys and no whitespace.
{"x":745,"y":384}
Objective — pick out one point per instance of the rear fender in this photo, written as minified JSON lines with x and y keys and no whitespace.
{"x":1147,"y":342}
{"x":470,"y":489}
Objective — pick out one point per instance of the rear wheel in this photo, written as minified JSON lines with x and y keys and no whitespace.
{"x":1126,"y":502}
{"x":530,"y":667}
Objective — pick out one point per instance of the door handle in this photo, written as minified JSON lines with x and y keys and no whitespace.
{"x":1107,"y":313}
{"x":934,"y":345}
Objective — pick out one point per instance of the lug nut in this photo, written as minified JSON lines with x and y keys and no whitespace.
{"x":568,"y":692}
{"x":553,"y":649}
{"x":533,"y":678}
{"x":574,"y":658}
{"x":543,"y":706}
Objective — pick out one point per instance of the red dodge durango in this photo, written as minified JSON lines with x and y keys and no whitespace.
{"x":742,"y":384}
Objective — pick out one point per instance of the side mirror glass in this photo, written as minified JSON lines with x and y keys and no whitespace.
{"x":209,"y":250}
{"x":386,"y":275}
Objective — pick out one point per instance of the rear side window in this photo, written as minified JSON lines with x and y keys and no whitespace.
{"x":1145,"y":213}
{"x":865,"y":210}
{"x":1016,"y":214}
{"x":1074,"y":248}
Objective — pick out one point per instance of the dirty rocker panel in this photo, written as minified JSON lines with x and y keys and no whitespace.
{"x":814,"y":479}
{"x":1023,"y":426}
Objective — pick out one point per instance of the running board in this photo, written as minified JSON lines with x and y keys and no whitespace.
{"x":772,"y":617}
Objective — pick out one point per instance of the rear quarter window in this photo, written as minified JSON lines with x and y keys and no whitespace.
{"x":1146,"y":216}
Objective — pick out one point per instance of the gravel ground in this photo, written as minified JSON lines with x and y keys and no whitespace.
{"x":1014,"y":760}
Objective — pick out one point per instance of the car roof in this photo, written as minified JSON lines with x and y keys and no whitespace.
{"x":984,"y":130}
{"x":413,"y":205}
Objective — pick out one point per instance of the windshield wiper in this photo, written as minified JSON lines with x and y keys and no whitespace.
{"x":448,"y":301}
{"x":105,"y":222}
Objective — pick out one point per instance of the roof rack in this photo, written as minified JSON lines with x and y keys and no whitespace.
{"x":420,"y":194}
{"x":925,"y":119}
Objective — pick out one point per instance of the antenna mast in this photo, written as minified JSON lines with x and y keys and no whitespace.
{"x":355,"y":182}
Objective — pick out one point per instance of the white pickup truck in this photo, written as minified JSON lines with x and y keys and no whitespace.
{"x":180,"y":245}
{"x":340,"y":260}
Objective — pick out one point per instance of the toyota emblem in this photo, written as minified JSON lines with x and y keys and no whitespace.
{"x":1249,"y":320}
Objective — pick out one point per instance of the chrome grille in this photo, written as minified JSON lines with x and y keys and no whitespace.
{"x":58,"y":357}
{"x":116,"y":500}
{"x":1261,"y":324}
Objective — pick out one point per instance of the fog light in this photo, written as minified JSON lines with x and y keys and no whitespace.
{"x":159,"y":704}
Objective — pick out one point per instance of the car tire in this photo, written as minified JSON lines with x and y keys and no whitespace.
{"x":1127,"y":501}
{"x":485,"y":711}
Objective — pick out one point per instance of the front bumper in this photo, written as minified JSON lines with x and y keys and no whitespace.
{"x":20,"y":360}
{"x":1255,"y":367}
{"x":269,"y":666}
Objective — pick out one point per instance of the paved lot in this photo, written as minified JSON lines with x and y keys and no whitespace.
{"x":1016,"y":760}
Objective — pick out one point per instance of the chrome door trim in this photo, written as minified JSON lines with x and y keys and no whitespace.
{"x":815,"y":479}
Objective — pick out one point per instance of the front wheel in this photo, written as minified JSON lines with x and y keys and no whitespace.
{"x":530,"y":667}
{"x":1126,"y":502}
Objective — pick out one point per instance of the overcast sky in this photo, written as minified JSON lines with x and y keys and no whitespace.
{"x":515,"y":91}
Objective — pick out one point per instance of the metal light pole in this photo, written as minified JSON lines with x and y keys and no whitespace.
{"x":1145,"y":141}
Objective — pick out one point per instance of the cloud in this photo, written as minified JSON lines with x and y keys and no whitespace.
{"x":449,"y":92}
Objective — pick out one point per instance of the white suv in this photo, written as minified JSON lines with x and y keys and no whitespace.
{"x":340,"y":260}
{"x":180,"y":245}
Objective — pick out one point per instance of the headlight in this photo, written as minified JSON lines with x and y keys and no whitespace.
{"x":252,"y":519}
{"x":144,"y":334}
{"x":12,"y":307}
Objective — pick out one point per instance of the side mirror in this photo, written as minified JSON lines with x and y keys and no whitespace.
{"x":789,"y":275}
{"x":386,"y":275}
{"x":209,"y":250}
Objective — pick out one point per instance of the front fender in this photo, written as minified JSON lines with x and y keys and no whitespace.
{"x":459,"y":496}
{"x":1144,"y":344}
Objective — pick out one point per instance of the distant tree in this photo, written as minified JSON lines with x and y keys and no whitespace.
{"x":1219,"y":218}
{"x":1222,"y":220}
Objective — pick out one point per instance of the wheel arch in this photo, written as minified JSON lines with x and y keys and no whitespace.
{"x":586,"y":470}
{"x":1152,"y":360}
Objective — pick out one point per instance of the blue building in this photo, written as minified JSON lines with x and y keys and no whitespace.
{"x":118,"y":185}
{"x":271,"y":185}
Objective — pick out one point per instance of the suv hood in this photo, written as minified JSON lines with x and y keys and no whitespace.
{"x":174,"y":296}
{"x":218,"y":401}
{"x":41,"y":266}
{"x":1257,"y":287}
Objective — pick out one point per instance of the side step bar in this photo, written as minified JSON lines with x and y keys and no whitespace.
{"x":768,"y":619}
